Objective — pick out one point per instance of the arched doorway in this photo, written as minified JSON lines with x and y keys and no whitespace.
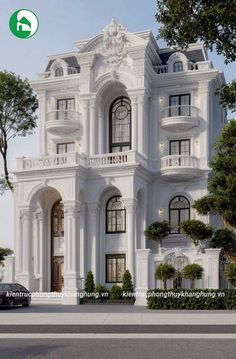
{"x":57,"y":247}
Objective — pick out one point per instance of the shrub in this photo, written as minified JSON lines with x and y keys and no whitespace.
{"x":89,"y":285}
{"x":192,"y":272}
{"x":127,"y":285}
{"x":191,"y":299}
{"x":230,"y":273}
{"x":102,"y":291}
{"x":116,"y":292}
{"x":196,"y":230}
{"x":164,"y":271}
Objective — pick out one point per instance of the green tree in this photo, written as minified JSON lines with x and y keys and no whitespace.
{"x":212,"y":22}
{"x":196,"y":230}
{"x":17,"y":115}
{"x":157,"y":231}
{"x":163,"y":272}
{"x":225,"y":239}
{"x":4,"y":252}
{"x":192,"y":272}
{"x":230,"y":273}
{"x":222,"y":185}
{"x":127,"y":285}
{"x":89,"y":286}
{"x":116,"y":292}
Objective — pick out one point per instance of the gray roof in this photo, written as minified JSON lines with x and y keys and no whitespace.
{"x":192,"y":55}
{"x":71,"y":62}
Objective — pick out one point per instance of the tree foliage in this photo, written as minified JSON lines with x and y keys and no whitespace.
{"x":225,"y":239}
{"x":187,"y":21}
{"x":5,"y":252}
{"x":192,"y":272}
{"x":164,"y":272}
{"x":196,"y":230}
{"x":89,"y":286}
{"x":127,"y":285}
{"x":157,"y":231}
{"x":17,"y":114}
{"x":222,"y":185}
{"x":230,"y":274}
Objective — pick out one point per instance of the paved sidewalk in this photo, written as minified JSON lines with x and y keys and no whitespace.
{"x":110,"y":315}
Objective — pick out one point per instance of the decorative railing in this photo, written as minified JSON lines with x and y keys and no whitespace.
{"x":63,"y":115}
{"x":179,"y":161}
{"x":52,"y":161}
{"x":75,"y":159}
{"x":182,"y":110}
{"x":191,"y":66}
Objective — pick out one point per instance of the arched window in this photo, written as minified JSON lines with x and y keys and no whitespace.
{"x":179,"y":210}
{"x":59,"y":72}
{"x":120,"y":125}
{"x":115,"y":215}
{"x":178,"y":66}
{"x":58,"y":220}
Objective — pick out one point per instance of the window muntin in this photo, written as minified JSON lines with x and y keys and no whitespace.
{"x":65,"y":109}
{"x":180,"y":105}
{"x":65,"y":147}
{"x":58,"y":219}
{"x":179,"y":211}
{"x":115,"y":268}
{"x":59,"y":72}
{"x":115,"y":216}
{"x":178,"y":66}
{"x":120,"y":125}
{"x":179,"y":147}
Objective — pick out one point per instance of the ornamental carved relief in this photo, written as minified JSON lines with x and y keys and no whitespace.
{"x":114,"y":41}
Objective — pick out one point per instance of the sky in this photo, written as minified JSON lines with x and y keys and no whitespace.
{"x":61,"y":23}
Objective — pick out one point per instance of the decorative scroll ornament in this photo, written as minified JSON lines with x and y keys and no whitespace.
{"x":114,"y":40}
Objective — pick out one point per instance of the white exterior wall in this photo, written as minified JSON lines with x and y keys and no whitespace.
{"x":86,"y":179}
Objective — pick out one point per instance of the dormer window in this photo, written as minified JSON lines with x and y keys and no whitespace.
{"x":178,"y":66}
{"x":59,"y":72}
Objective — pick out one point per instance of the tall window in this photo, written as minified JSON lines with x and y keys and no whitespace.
{"x":58,"y":220}
{"x":179,"y":147}
{"x":179,"y":210}
{"x":65,"y":109}
{"x":65,"y":147}
{"x":59,"y":72}
{"x":120,"y":125}
{"x":115,"y":268}
{"x":115,"y":216}
{"x":178,"y":66}
{"x":180,"y":105}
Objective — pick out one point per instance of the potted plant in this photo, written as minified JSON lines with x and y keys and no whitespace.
{"x":157,"y":231}
{"x":163,"y":272}
{"x":192,"y":272}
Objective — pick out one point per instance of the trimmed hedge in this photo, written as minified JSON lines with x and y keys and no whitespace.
{"x":191,"y":299}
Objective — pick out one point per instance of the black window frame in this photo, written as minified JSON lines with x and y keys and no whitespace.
{"x":59,"y":72}
{"x":115,"y":210}
{"x":179,"y":104}
{"x":179,"y":212}
{"x":177,"y":63}
{"x":114,"y":256}
{"x":66,"y":144}
{"x":179,"y":141}
{"x":119,"y":144}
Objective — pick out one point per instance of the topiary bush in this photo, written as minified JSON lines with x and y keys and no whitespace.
{"x":192,"y":272}
{"x":164,"y":271}
{"x":116,"y":292}
{"x":102,"y":291}
{"x":127,"y":284}
{"x":89,"y":285}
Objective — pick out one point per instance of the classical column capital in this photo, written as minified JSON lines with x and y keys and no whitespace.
{"x":71,"y":208}
{"x":130,"y":204}
{"x":26,"y":213}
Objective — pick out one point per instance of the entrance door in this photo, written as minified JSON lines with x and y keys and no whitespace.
{"x":57,"y":247}
{"x":57,"y":274}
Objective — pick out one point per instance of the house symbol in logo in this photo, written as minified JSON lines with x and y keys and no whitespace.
{"x":23,"y":24}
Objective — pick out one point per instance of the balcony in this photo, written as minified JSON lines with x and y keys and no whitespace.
{"x":63,"y":121}
{"x":179,"y":168}
{"x":74,"y":159}
{"x":179,"y":118}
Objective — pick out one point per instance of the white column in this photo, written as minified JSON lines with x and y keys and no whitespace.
{"x":203,"y":94}
{"x":130,"y":205}
{"x":211,"y":274}
{"x":85,"y":126}
{"x":93,"y":128}
{"x":142,"y":275}
{"x":142,"y":128}
{"x":93,"y":241}
{"x":71,"y":252}
{"x":82,"y":221}
{"x":42,"y":100}
{"x":24,"y":276}
{"x":134,"y":121}
{"x":38,"y":250}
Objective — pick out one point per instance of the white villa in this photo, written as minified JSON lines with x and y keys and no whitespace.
{"x":126,"y":135}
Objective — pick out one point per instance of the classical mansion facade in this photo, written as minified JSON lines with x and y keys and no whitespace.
{"x":126,"y":135}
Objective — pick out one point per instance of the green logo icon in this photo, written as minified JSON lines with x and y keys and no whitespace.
{"x":24,"y":23}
